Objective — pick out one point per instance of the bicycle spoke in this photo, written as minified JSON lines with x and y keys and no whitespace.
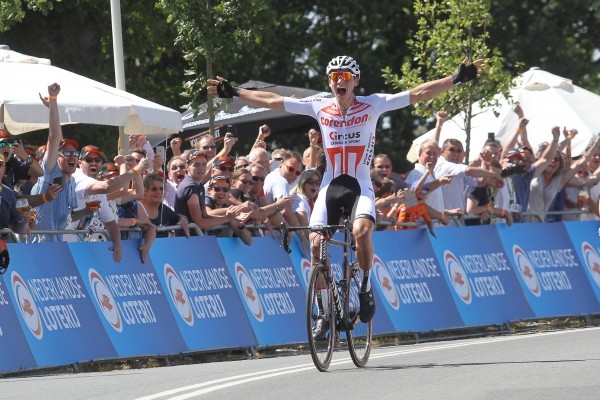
{"x":361,"y":337}
{"x":320,"y":319}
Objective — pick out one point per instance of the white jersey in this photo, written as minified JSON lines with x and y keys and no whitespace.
{"x":348,"y":142}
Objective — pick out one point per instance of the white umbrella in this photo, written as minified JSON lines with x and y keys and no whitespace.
{"x":546,"y":99}
{"x":81,"y":100}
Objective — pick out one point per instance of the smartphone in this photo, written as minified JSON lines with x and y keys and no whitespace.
{"x":160,"y":150}
{"x":58,"y":180}
{"x":491,"y":136}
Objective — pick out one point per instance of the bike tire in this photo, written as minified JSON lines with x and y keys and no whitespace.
{"x":360,"y":338}
{"x":321,"y":348}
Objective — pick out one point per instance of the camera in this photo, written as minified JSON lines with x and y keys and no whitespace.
{"x":513,"y":169}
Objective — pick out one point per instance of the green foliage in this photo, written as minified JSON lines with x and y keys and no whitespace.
{"x":12,"y":11}
{"x":448,"y":31}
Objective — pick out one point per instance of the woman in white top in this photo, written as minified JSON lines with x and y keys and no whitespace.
{"x":304,"y":194}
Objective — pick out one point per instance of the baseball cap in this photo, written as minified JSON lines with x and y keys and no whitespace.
{"x":223,"y":160}
{"x":109,"y":170}
{"x":513,"y":154}
{"x":193,"y":155}
{"x":91,"y":150}
{"x":72,"y":142}
{"x":525,"y":148}
{"x":5,"y":136}
{"x":218,"y":179}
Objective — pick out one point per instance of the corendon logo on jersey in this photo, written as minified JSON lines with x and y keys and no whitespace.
{"x":345,"y":160}
{"x":340,"y":123}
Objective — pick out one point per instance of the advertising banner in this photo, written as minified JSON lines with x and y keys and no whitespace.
{"x":479,"y":274}
{"x":548,"y":269}
{"x":15,"y":351}
{"x":271,"y":291}
{"x":410,"y":284}
{"x":586,"y":242}
{"x":54,"y":309}
{"x":129,"y":299}
{"x":201,"y":293}
{"x":300,"y":257}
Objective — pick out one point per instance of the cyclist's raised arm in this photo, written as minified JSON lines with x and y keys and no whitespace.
{"x":220,"y":87}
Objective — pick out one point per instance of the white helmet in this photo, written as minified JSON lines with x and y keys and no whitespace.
{"x":343,"y":63}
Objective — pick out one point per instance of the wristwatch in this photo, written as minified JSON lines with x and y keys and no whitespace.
{"x":29,"y":160}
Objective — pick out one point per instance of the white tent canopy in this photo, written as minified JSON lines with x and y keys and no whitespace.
{"x":81,"y":100}
{"x":547,"y":100}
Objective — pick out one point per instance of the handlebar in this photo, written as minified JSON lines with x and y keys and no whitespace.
{"x":285,"y":238}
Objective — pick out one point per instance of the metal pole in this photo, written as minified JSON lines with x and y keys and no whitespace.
{"x":117,"y":33}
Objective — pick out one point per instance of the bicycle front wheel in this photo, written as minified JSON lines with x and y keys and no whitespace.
{"x":360,"y":338}
{"x":320,"y":318}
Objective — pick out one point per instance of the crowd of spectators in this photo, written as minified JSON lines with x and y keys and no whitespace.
{"x":62,"y":187}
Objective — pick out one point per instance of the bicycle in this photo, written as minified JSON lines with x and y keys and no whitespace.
{"x":332,"y":303}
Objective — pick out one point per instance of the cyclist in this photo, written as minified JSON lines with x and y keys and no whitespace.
{"x":348,"y":124}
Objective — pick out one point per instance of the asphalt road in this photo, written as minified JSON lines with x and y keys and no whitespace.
{"x":556,"y":365}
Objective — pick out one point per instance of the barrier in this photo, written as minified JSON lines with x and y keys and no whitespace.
{"x":63,"y":303}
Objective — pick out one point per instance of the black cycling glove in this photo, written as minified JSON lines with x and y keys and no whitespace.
{"x":465,"y":73}
{"x":226,"y":91}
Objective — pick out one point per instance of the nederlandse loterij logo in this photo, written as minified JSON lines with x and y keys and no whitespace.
{"x":306,"y":270}
{"x":29,"y":310}
{"x":592,"y":261}
{"x":105,"y":300}
{"x":458,"y":277}
{"x":178,"y":295}
{"x":526,"y":271}
{"x":249,"y":292}
{"x":386,"y":283}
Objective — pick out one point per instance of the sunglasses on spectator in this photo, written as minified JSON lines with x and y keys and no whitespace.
{"x":219,"y":189}
{"x":277,"y":158}
{"x":345,"y":75}
{"x":377,"y":183}
{"x":93,"y":159}
{"x":293,"y":170}
{"x":387,"y":166}
{"x":157,"y":189}
{"x":209,"y":147}
{"x":224,"y":168}
{"x":312,"y":181}
{"x":241,"y":166}
{"x":176,"y":167}
{"x":455,"y":149}
{"x":6,"y":144}
{"x":257,"y":178}
{"x":69,"y":153}
{"x":245,"y":181}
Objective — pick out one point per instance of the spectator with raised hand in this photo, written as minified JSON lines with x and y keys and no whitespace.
{"x":555,"y":175}
{"x":263,"y":133}
{"x":59,"y":164}
{"x":310,"y":154}
{"x":190,"y":200}
{"x":152,"y":207}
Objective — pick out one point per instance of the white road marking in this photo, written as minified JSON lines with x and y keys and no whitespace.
{"x":223,"y":383}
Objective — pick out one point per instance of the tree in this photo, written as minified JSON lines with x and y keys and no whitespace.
{"x":448,"y":31}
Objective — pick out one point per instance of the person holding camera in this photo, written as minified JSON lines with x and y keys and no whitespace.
{"x":19,"y":164}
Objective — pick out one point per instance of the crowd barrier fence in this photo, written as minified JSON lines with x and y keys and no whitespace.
{"x":66,"y":303}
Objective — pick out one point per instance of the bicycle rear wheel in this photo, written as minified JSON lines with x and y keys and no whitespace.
{"x":320,"y":318}
{"x":360,"y":339}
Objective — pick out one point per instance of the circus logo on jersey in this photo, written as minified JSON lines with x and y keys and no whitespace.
{"x":105,"y":300}
{"x":384,"y":279}
{"x":178,"y":295}
{"x":306,"y":270}
{"x":458,"y":277}
{"x":249,"y":292}
{"x":526,"y":271}
{"x":592,"y":261}
{"x":27,"y":306}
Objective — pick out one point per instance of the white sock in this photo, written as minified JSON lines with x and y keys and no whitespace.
{"x":361,"y":280}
